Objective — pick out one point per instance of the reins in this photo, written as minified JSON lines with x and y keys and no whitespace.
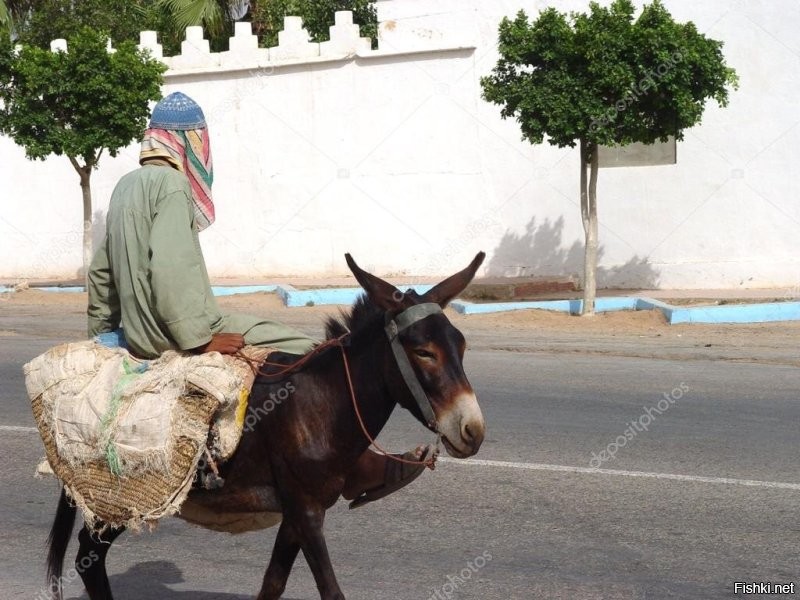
{"x":430,"y":462}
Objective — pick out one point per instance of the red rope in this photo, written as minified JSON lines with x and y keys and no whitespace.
{"x":430,"y":462}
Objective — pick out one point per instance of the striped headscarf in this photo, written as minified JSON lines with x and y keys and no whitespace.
{"x":188,"y":151}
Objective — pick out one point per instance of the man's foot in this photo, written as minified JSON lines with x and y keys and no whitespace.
{"x":395,"y":475}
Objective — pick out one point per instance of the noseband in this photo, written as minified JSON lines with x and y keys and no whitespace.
{"x":393,"y":328}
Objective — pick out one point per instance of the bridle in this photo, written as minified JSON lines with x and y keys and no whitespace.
{"x":393,"y":327}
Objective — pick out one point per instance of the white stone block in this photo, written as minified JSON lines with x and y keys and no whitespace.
{"x":195,"y":45}
{"x":194,"y":34}
{"x":292,"y":23}
{"x":293,"y":42}
{"x":343,"y":17}
{"x":148,"y":40}
{"x":59,"y":45}
{"x":243,"y":39}
{"x":195,"y":51}
{"x":345,"y":37}
{"x":109,"y":48}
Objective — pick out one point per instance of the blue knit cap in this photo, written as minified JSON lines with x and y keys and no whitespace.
{"x":177,"y":112}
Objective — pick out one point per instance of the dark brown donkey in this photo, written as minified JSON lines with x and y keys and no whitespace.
{"x":401,"y":349}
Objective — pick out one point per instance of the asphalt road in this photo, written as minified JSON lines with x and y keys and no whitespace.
{"x":706,"y":496}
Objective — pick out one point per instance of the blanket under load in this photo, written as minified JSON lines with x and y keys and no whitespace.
{"x":125,"y":436}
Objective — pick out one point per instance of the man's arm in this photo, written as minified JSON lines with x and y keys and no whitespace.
{"x":104,"y":309}
{"x":178,"y":280}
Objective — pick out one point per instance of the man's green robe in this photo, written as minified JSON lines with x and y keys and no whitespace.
{"x":149,"y":275}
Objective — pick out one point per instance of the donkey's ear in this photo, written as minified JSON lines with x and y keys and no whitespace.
{"x":380,"y":292}
{"x":451,"y":287}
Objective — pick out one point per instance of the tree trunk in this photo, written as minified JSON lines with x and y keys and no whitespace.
{"x":589,"y":218}
{"x":87,"y":223}
{"x":85,"y":173}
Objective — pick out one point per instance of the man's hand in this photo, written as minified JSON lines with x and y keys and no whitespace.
{"x":224,"y":343}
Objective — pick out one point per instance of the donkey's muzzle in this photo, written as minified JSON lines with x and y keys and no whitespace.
{"x":462,"y":427}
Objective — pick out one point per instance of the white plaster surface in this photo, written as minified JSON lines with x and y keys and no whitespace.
{"x":392,"y":156}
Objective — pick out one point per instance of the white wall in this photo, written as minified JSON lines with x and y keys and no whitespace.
{"x":393,"y":156}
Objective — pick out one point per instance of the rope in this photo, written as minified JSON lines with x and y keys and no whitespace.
{"x":106,"y":421}
{"x":429,"y":462}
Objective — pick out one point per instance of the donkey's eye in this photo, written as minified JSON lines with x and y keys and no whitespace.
{"x":422,"y":353}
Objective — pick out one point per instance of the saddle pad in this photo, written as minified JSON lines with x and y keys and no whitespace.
{"x":125,"y":436}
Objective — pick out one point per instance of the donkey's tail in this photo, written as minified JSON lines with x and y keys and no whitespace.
{"x":60,"y":535}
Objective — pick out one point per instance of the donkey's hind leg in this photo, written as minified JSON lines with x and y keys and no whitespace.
{"x":91,"y":561}
{"x":284,"y":554}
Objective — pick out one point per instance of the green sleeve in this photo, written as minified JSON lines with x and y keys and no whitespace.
{"x":104,"y":309}
{"x":177,"y":273}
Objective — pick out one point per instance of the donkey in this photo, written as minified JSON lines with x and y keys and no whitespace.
{"x":392,"y":348}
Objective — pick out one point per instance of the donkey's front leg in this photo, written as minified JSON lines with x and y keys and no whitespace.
{"x":280,"y":565}
{"x":308,"y":522}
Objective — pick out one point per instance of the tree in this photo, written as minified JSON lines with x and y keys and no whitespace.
{"x":216,"y":17}
{"x":604,"y":78}
{"x":121,"y":20}
{"x":40,"y":21}
{"x":5,"y":19}
{"x":12,"y":11}
{"x":318,"y":16}
{"x":77,"y":103}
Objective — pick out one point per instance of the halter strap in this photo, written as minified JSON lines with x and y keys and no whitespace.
{"x":393,"y":327}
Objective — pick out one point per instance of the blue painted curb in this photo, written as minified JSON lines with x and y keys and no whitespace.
{"x":293,"y":297}
{"x":224,"y":290}
{"x":738,"y":313}
{"x":570,"y":306}
{"x":766,"y":312}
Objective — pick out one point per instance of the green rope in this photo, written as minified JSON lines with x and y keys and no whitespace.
{"x":112,"y":458}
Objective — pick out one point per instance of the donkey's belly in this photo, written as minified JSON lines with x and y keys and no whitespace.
{"x":233,"y":511}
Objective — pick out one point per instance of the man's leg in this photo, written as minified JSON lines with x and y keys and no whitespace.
{"x":376,"y":476}
{"x":263,"y":332}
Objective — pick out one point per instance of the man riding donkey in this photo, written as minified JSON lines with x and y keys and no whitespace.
{"x":149,"y":277}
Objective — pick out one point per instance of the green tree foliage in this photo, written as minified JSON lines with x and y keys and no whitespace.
{"x":5,"y":19}
{"x":215,"y":16}
{"x":121,"y":20}
{"x":12,"y":11}
{"x":318,"y":16}
{"x":38,"y":22}
{"x":604,"y":78}
{"x":78,"y":103}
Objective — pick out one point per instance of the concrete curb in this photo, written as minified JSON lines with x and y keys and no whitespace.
{"x":293,"y":297}
{"x":765,"y":312}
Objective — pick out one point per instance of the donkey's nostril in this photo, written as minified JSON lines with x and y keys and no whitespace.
{"x":467,"y":434}
{"x":472,"y":433}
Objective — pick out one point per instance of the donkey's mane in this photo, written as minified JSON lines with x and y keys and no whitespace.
{"x":362,"y":313}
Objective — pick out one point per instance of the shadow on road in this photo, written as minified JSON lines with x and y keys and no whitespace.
{"x":149,"y":581}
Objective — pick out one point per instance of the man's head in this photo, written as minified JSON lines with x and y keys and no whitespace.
{"x":178,"y":135}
